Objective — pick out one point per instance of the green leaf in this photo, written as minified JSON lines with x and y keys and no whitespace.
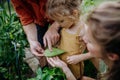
{"x":54,"y":52}
{"x":49,"y":74}
{"x":39,"y":74}
{"x":47,"y":77}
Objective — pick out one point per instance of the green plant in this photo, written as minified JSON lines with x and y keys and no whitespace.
{"x":49,"y":74}
{"x":88,"y":6}
{"x":12,"y":44}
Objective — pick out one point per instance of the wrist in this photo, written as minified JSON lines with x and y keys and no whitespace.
{"x":32,"y":41}
{"x":31,"y":32}
{"x":55,"y":26}
{"x":90,"y":55}
{"x":66,"y":70}
{"x":68,"y":74}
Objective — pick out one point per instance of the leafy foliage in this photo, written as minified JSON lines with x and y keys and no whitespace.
{"x":87,"y":6}
{"x":49,"y":74}
{"x":12,"y":43}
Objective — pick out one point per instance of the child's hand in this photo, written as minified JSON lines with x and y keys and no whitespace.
{"x":56,"y":62}
{"x":73,"y":59}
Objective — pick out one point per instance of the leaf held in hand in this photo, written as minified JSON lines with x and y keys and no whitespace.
{"x":54,"y":52}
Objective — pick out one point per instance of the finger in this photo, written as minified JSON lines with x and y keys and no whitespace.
{"x":44,"y":41}
{"x":47,"y":58}
{"x":54,"y":58}
{"x":50,"y":62}
{"x":39,"y":49}
{"x":68,"y":58}
{"x":49,"y":44}
{"x":36,"y":53}
{"x":57,"y":57}
{"x":56,"y":38}
{"x":70,"y":62}
{"x":53,"y":41}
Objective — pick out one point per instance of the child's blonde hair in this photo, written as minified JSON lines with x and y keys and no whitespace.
{"x":61,"y":7}
{"x":104,"y":24}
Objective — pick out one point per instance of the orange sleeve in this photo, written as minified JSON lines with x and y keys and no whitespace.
{"x":23,"y":12}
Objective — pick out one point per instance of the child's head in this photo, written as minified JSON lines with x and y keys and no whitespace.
{"x":65,"y":12}
{"x":103,"y":38}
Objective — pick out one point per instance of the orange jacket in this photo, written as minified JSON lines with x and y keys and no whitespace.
{"x":31,"y":11}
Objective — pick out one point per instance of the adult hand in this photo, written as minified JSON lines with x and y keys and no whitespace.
{"x":51,"y":37}
{"x":31,"y":33}
{"x":56,"y":62}
{"x":36,"y":48}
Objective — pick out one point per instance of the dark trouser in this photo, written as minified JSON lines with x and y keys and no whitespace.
{"x":40,"y":33}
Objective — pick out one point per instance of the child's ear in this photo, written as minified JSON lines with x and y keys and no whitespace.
{"x":75,"y":12}
{"x":112,"y":56}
